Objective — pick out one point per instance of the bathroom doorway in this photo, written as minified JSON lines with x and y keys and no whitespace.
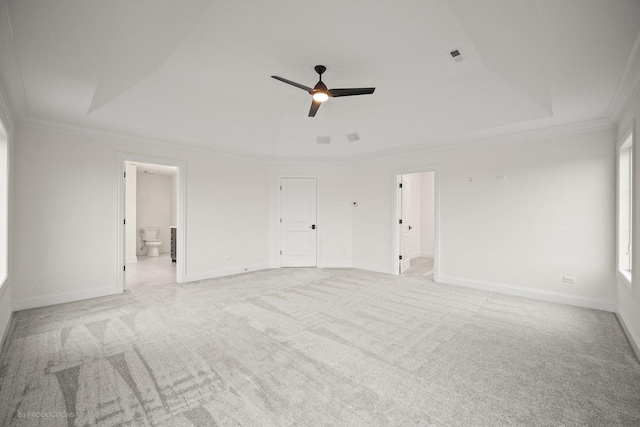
{"x":416,"y":224}
{"x":151,"y":225}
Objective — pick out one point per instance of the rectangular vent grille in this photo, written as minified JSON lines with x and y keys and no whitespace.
{"x":324,"y":140}
{"x":353,"y":137}
{"x":456,"y":55}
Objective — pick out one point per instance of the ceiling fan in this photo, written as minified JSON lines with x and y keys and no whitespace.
{"x":320,"y":93}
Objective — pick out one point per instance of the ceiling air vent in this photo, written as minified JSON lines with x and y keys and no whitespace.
{"x":457,"y":55}
{"x":324,"y":140}
{"x":353,"y":137}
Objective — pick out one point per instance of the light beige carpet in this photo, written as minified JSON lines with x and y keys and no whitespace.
{"x":310,"y":347}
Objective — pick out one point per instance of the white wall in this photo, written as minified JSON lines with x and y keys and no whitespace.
{"x":334,"y":211}
{"x":131,"y":229}
{"x":427,"y":223}
{"x":552,"y":216}
{"x":629,"y":299}
{"x":66,"y":214}
{"x":154,"y":208}
{"x":557,"y":198}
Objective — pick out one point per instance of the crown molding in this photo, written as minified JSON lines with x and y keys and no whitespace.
{"x":627,"y":87}
{"x":467,"y":142}
{"x":470,"y":143}
{"x":451,"y":144}
{"x":87,"y":132}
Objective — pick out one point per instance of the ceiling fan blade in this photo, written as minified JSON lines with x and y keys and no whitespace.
{"x":314,"y":108}
{"x":303,"y":87}
{"x":350,"y":92}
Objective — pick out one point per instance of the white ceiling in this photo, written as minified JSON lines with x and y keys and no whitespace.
{"x":197,"y":72}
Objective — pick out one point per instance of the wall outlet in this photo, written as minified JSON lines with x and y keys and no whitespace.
{"x":355,"y":204}
{"x":502,"y":177}
{"x":568,"y":279}
{"x":469,"y":179}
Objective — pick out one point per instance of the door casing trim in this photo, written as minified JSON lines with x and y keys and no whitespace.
{"x":396,"y":210}
{"x":181,"y":186}
{"x":318,"y":216}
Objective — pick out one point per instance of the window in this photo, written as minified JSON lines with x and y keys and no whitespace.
{"x":625,"y":207}
{"x":4,"y":195}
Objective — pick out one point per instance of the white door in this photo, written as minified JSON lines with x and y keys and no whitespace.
{"x":405,"y":227}
{"x":298,"y":222}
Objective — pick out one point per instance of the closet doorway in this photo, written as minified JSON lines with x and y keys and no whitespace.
{"x":416,"y":224}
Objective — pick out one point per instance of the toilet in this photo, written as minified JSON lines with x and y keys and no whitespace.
{"x":150,"y":240}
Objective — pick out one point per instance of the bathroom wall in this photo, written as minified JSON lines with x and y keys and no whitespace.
{"x":154,"y":207}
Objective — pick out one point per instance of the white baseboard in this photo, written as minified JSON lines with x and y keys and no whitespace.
{"x":372,"y":267}
{"x":413,"y":255}
{"x":131,"y":259}
{"x":62,"y":297}
{"x":631,"y":335}
{"x":420,"y":255}
{"x":4,"y":328}
{"x":549,"y":296}
{"x":211,"y":274}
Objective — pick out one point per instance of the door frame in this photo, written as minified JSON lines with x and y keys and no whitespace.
{"x":318,"y":216}
{"x":404,"y":264}
{"x":181,"y":186}
{"x":397,"y":209}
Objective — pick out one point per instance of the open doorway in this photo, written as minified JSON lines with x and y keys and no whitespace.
{"x":416,"y":224}
{"x":151,"y":221}
{"x":150,"y":230}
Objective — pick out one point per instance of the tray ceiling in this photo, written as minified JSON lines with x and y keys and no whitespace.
{"x":197,"y":72}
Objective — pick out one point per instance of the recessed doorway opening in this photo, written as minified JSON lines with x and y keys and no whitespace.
{"x":151,"y":236}
{"x":416,"y":228}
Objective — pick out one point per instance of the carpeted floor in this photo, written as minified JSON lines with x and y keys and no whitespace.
{"x":311,"y":347}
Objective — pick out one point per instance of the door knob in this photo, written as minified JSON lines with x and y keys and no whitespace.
{"x":410,"y":227}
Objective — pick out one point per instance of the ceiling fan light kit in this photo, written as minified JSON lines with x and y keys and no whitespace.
{"x":320,"y":93}
{"x":320,"y":96}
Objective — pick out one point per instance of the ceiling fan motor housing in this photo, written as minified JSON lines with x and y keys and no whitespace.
{"x":321,"y":93}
